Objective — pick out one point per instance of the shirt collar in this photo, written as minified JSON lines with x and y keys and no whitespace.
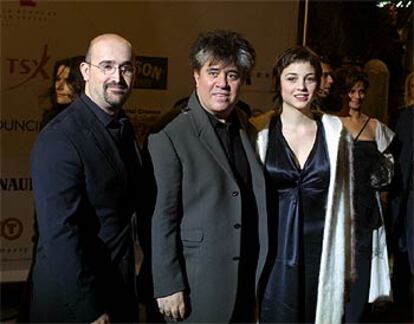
{"x":105,"y":118}
{"x":231,"y":121}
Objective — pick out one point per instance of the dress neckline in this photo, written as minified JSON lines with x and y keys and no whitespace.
{"x":294,"y":158}
{"x":362,"y":129}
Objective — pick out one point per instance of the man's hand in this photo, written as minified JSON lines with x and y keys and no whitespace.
{"x":103,"y":319}
{"x":173,"y":306}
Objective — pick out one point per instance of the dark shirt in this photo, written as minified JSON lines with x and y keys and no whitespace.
{"x":229,"y":136}
{"x":113,"y":123}
{"x":121,"y":131}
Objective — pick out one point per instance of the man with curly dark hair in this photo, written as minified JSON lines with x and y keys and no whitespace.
{"x":210,"y":214}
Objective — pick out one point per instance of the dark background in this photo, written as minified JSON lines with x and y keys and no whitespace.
{"x":357,"y":31}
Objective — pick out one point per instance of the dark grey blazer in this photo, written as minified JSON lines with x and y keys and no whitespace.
{"x":84,"y":260}
{"x":195,"y":244}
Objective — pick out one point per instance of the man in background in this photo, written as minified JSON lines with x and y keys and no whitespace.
{"x":325,"y":85}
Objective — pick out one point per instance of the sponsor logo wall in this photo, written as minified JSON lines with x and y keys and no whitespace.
{"x":35,"y":34}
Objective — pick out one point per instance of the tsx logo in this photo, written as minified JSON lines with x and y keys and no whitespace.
{"x":30,"y":68}
{"x":11,"y":228}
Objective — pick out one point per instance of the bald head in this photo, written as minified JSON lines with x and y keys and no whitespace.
{"x":104,"y":40}
{"x":108,"y":71}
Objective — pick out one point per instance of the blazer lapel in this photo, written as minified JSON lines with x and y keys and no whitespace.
{"x":208,"y":136}
{"x":99,"y":135}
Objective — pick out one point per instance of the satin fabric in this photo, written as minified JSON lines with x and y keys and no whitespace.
{"x":297,"y":199}
{"x":367,"y":218}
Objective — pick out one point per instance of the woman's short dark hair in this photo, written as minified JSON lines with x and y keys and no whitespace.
{"x":223,"y":45}
{"x":347,"y":76}
{"x":293,"y":55}
{"x":75,"y":78}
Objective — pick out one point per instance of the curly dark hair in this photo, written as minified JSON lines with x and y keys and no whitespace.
{"x":223,"y":45}
{"x":293,"y":55}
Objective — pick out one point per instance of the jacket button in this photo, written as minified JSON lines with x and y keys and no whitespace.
{"x":235,"y":193}
{"x":236,"y":258}
{"x":237,"y":226}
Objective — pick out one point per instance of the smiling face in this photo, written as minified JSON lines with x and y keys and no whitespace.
{"x":108,"y":91}
{"x":356,"y":96}
{"x":218,"y":86}
{"x":298,"y":84}
{"x":63,"y":91}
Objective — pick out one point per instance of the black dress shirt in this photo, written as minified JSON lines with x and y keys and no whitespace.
{"x":122,"y":132}
{"x":229,"y":136}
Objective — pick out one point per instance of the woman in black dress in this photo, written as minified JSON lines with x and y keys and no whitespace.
{"x":371,"y":139}
{"x":307,"y":160}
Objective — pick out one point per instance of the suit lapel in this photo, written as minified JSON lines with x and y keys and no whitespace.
{"x":99,"y":135}
{"x":208,"y":136}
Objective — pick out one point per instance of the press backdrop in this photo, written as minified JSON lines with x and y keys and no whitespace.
{"x":36,"y":33}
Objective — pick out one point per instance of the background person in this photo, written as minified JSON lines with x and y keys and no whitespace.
{"x":326,"y":78}
{"x":324,"y":99}
{"x":210,"y":215}
{"x":402,"y":206}
{"x":409,"y":90}
{"x":371,"y":139}
{"x":67,"y":85}
{"x":87,"y":175}
{"x":307,"y":160}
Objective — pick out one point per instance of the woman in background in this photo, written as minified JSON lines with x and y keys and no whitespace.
{"x":371,"y":142}
{"x":67,"y":84}
{"x":307,"y":160}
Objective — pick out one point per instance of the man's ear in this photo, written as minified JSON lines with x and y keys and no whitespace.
{"x":196,"y":75}
{"x":85,"y":69}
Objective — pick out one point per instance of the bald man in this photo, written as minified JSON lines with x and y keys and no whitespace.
{"x":87,"y":180}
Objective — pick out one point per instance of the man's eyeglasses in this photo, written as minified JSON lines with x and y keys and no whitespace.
{"x":109,"y":68}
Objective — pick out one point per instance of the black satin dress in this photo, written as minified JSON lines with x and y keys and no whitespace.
{"x":297,"y":199}
{"x":367,"y":218}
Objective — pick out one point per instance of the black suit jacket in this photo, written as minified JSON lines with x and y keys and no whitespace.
{"x":402,"y":203}
{"x":84,"y":259}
